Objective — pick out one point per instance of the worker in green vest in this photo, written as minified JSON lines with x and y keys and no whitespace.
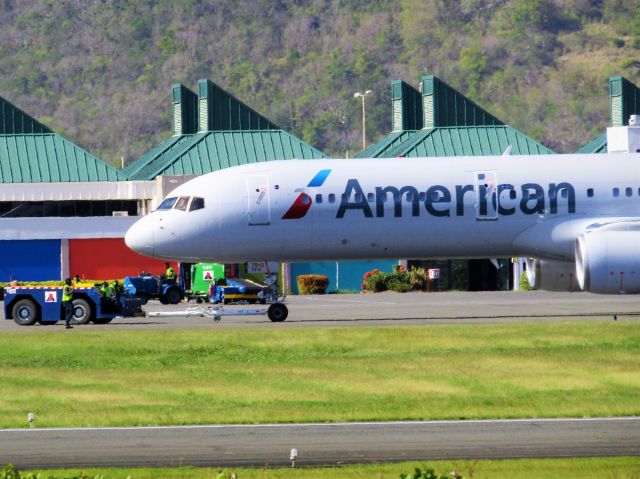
{"x":104,"y":290}
{"x":67,"y":303}
{"x":114,"y":289}
{"x":170,"y":275}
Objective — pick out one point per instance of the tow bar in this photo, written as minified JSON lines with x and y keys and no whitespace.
{"x":276,"y":312}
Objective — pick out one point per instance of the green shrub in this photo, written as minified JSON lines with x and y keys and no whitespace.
{"x":524,"y":282}
{"x":400,"y":280}
{"x":418,"y":279}
{"x":9,"y":472}
{"x":398,"y":286}
{"x":429,"y":474}
{"x":312,"y":283}
{"x":374,"y":281}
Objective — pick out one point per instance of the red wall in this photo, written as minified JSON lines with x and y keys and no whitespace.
{"x":109,"y":258}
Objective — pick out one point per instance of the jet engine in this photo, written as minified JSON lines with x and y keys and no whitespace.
{"x":551,"y":275}
{"x":608,"y":262}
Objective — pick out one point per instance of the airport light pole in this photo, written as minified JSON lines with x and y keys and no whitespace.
{"x":362,"y":95}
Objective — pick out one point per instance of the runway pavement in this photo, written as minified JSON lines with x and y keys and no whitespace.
{"x":319,"y":444}
{"x":389,"y":308}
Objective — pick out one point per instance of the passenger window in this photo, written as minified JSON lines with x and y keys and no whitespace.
{"x":422,"y":196}
{"x":512,"y":194}
{"x":306,"y":199}
{"x":616,"y":192}
{"x":370,"y":197}
{"x":196,"y":204}
{"x":182,"y":203}
{"x":564,"y":193}
{"x":628,"y":191}
{"x":167,"y":204}
{"x":409,"y":196}
{"x":590,"y":192}
{"x":319,"y":199}
{"x":332,"y":198}
{"x":358,"y":197}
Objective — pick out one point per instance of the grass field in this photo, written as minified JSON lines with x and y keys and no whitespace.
{"x":591,"y":468}
{"x":99,"y":378}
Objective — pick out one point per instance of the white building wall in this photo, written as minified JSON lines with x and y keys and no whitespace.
{"x":65,"y":228}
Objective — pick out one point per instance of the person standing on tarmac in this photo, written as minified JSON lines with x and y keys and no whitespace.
{"x":67,"y":303}
{"x":170,"y":275}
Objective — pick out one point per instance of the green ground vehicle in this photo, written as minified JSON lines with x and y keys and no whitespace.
{"x":202,"y":276}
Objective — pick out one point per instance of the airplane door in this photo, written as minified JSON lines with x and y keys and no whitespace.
{"x":258,"y":195}
{"x":487,"y":196}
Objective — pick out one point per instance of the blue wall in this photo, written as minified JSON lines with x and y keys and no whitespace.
{"x":29,"y":260}
{"x":351,"y":272}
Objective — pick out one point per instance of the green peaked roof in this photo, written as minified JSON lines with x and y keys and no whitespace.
{"x":453,"y":125}
{"x":597,"y":145}
{"x":464,"y":141}
{"x":154,"y":153}
{"x":43,"y":158}
{"x":211,"y":151}
{"x":14,"y":121}
{"x":624,"y":101}
{"x":469,"y":141}
{"x":443,"y":105}
{"x":387,"y":143}
{"x":219,"y":110}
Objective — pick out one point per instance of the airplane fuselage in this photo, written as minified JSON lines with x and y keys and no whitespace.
{"x":458,"y":207}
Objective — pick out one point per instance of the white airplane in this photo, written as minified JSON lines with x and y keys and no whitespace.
{"x":576,"y":216}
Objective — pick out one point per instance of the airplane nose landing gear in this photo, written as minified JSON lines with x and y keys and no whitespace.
{"x":276,"y":312}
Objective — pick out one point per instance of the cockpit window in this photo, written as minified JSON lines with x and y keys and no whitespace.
{"x":197,"y":203}
{"x":167,"y":203}
{"x":182,"y":203}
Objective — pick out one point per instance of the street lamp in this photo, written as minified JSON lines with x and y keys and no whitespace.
{"x":362,"y":95}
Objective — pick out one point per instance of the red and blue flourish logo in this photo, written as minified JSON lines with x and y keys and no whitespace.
{"x":303,"y":202}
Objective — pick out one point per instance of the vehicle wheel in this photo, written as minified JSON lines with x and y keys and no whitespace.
{"x":173,"y":296}
{"x":162,"y":299}
{"x":101,"y":320}
{"x":277,"y":312}
{"x":25,"y":312}
{"x":81,"y":312}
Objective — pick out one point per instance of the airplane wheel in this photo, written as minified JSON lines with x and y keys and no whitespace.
{"x":81,"y":312}
{"x":277,"y":312}
{"x":25,"y":312}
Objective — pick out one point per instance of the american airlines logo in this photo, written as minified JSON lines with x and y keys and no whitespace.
{"x":439,"y":200}
{"x":303,"y":202}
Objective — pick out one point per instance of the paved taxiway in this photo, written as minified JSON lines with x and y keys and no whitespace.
{"x":319,"y":444}
{"x":393,"y":308}
{"x":343,"y":443}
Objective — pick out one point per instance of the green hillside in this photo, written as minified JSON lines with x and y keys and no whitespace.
{"x":100,"y":72}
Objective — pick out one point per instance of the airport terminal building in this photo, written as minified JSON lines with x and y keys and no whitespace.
{"x":64,"y":211}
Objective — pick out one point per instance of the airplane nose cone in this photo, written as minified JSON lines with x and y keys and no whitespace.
{"x":139,"y":238}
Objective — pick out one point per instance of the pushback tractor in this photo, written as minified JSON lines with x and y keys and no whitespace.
{"x":30,"y":305}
